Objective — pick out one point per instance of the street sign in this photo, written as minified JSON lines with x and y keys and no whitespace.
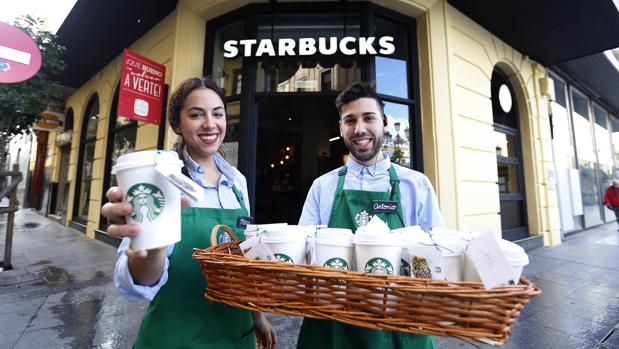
{"x":141,"y":88}
{"x":20,"y":56}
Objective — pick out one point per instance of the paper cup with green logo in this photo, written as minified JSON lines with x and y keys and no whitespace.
{"x":156,"y":202}
{"x":287,"y":243}
{"x":378,"y":254}
{"x":334,"y":248}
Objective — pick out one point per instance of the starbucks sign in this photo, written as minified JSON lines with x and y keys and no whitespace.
{"x":147,"y":200}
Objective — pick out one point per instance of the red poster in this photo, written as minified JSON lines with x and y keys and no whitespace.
{"x":141,"y":88}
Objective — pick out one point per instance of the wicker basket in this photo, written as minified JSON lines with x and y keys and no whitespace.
{"x":464,"y":310}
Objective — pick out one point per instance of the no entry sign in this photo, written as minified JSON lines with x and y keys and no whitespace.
{"x":141,"y":88}
{"x":20,"y":57}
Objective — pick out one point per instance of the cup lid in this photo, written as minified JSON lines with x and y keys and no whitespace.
{"x":335,"y":235}
{"x":515,"y":254}
{"x":146,"y":158}
{"x":390,"y":239}
{"x":452,"y":246}
{"x":282,"y":234}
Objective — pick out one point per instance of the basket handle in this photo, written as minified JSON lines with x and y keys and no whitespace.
{"x":224,"y":228}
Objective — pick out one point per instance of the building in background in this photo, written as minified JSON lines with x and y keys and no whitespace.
{"x":469,"y":96}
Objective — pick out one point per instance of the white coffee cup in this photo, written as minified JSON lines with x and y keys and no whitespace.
{"x":378,"y":253}
{"x":453,"y":251}
{"x":412,"y":236}
{"x":156,"y":202}
{"x":287,"y":243}
{"x":514,"y":253}
{"x":334,"y":248}
{"x":253,"y":229}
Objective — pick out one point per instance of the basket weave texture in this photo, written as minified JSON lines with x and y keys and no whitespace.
{"x":464,"y":310}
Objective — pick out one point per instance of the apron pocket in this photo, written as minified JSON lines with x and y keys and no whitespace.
{"x":247,"y":341}
{"x":413,"y":340}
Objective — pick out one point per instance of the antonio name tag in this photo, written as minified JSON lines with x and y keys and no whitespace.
{"x":384,"y":206}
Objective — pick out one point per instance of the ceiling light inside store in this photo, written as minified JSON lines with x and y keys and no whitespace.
{"x":334,"y":139}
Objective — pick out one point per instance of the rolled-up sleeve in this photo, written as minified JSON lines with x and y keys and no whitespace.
{"x":124,"y":281}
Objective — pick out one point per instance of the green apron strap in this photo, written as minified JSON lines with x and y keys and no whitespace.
{"x":395,"y":191}
{"x":340,"y":181}
{"x":239,"y":197}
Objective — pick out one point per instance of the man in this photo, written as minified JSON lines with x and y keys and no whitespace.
{"x":344,"y":197}
{"x":611,"y":199}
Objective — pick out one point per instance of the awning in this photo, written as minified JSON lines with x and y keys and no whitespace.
{"x":96,"y":31}
{"x":597,"y":76}
{"x":550,"y":32}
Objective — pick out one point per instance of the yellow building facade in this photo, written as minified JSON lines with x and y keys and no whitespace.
{"x":456,"y":60}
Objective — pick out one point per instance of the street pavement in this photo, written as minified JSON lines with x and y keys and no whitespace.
{"x":60,"y":293}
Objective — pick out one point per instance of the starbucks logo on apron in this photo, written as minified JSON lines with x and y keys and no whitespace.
{"x":147,"y":200}
{"x":362,"y":218}
{"x":378,"y":265}
{"x":405,"y":268}
{"x":283,"y":258}
{"x":336,"y":263}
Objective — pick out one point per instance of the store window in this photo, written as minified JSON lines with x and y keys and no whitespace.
{"x":585,"y":149}
{"x":121,"y":137}
{"x":304,"y":73}
{"x":614,"y":127}
{"x":604,"y":155}
{"x":566,"y":171}
{"x":88,"y":139}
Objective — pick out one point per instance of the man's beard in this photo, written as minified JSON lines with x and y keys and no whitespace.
{"x":378,"y":144}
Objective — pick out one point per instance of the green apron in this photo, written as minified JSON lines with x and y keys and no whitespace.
{"x":350,"y":206}
{"x":179,"y":316}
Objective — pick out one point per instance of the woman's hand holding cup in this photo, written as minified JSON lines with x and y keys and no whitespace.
{"x":117,"y":209}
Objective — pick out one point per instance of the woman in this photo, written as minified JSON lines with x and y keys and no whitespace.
{"x":179,"y":315}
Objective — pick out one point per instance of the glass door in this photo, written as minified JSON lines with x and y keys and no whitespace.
{"x":298,"y":140}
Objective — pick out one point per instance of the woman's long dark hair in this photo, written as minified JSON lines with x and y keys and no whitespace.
{"x":176,"y":104}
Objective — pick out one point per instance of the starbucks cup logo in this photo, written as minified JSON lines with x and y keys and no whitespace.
{"x":147,"y":200}
{"x":379,"y":265}
{"x":336,"y":263}
{"x":283,"y":258}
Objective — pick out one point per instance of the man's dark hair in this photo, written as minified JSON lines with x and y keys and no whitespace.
{"x":356,"y":91}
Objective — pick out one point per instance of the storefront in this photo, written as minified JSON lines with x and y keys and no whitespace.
{"x":463,"y":106}
{"x":585,"y":143}
{"x":283,"y":105}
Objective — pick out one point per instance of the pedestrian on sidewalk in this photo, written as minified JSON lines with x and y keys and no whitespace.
{"x":178,"y":314}
{"x":611,"y":199}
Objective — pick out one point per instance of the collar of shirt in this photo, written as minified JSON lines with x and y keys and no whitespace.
{"x":196,"y":171}
{"x":359,"y":170}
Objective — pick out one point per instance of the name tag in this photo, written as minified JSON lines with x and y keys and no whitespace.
{"x":243,"y":221}
{"x":384,"y":206}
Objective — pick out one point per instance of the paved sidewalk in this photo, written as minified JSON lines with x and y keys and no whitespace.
{"x":60,"y":293}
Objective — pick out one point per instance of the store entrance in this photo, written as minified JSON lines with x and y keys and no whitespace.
{"x":298,"y":140}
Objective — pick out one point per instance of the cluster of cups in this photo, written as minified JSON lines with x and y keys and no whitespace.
{"x":377,"y":253}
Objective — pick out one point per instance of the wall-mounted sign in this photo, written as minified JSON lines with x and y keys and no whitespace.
{"x":141,"y":88}
{"x":49,"y":121}
{"x":20,"y":56}
{"x":310,"y":46}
